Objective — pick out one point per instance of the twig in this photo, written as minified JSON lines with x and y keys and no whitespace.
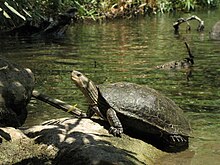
{"x":73,"y":110}
{"x":189,"y":51}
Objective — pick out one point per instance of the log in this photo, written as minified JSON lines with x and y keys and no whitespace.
{"x":73,"y":110}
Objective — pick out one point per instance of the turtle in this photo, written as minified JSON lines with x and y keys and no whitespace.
{"x":181,"y":64}
{"x":135,"y":107}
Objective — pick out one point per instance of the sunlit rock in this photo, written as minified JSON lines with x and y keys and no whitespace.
{"x":82,"y":141}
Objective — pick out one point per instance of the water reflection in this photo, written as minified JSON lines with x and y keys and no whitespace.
{"x":128,"y":50}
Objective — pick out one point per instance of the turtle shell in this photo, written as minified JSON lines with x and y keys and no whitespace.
{"x":144,"y":109}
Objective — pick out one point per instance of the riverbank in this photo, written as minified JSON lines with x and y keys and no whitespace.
{"x":37,"y":14}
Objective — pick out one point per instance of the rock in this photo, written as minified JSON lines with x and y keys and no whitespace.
{"x":17,"y":148}
{"x":11,"y":134}
{"x":16,"y":86}
{"x":72,"y":141}
{"x":82,"y":141}
{"x":215,"y":33}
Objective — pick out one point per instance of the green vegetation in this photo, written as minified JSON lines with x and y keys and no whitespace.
{"x":13,"y":13}
{"x":186,"y":5}
{"x":97,"y":9}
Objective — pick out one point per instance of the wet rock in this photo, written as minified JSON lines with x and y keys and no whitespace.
{"x":16,"y":86}
{"x":215,"y":33}
{"x":82,"y":141}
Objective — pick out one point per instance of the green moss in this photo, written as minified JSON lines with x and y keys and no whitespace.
{"x":20,"y":151}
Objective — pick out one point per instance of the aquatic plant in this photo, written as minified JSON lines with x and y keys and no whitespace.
{"x":189,"y":4}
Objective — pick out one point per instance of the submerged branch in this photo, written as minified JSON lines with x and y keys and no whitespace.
{"x":193,"y":17}
{"x":73,"y":110}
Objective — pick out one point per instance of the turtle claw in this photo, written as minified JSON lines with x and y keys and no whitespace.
{"x":116,"y":131}
{"x":178,"y":139}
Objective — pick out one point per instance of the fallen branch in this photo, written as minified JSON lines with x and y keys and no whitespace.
{"x":193,"y":17}
{"x":73,"y":110}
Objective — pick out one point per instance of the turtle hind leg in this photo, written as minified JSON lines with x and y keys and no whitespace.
{"x":116,"y":127}
{"x":174,"y":143}
{"x":177,"y":140}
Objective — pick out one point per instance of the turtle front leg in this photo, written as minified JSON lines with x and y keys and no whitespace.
{"x":116,"y":127}
{"x":92,"y":110}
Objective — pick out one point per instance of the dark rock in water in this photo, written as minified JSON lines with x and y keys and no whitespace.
{"x":215,"y":33}
{"x":59,"y":26}
{"x":16,"y":86}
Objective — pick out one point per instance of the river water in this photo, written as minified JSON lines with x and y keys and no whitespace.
{"x":128,"y":50}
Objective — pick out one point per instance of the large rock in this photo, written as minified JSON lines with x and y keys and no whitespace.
{"x":16,"y":85}
{"x":82,"y":141}
{"x":72,"y":142}
{"x":215,"y":33}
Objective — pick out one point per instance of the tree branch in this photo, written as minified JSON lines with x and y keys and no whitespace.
{"x":193,"y":17}
{"x":58,"y":104}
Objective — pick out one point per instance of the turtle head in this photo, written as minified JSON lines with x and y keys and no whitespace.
{"x":79,"y":79}
{"x":87,"y":87}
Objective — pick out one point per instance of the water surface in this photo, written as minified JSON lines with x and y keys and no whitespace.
{"x":128,"y":50}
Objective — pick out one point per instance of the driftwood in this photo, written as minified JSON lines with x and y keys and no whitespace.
{"x":73,"y":110}
{"x":193,"y":17}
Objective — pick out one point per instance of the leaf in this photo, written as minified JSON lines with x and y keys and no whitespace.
{"x":27,"y":13}
{"x":6,"y":15}
{"x":84,"y":10}
{"x":14,"y":11}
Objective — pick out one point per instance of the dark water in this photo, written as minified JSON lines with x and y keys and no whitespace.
{"x":128,"y":50}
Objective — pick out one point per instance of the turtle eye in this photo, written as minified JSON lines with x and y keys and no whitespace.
{"x":79,"y":75}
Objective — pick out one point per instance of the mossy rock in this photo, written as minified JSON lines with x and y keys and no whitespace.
{"x":20,"y":149}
